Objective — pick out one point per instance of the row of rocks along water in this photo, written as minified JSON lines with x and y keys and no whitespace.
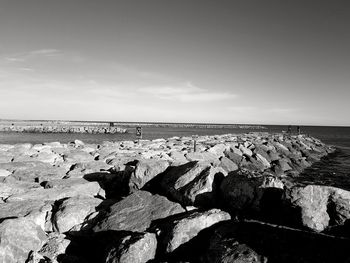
{"x":236,"y":199}
{"x":63,"y":129}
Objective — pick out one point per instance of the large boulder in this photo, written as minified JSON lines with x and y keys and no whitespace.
{"x":193,"y":183}
{"x":275,"y":243}
{"x":36,"y":210}
{"x":72,"y":212}
{"x":144,"y":171}
{"x":244,"y":191}
{"x":224,"y":246}
{"x":136,"y":248}
{"x":181,"y":229}
{"x":317,"y":207}
{"x":136,"y":212}
{"x":18,"y":237}
{"x":55,"y":247}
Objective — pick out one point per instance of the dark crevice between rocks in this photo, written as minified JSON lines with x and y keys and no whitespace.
{"x":91,"y":247}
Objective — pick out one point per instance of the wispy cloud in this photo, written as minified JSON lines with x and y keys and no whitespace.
{"x":24,"y":56}
{"x":186,"y":93}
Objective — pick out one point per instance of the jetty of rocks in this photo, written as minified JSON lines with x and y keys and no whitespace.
{"x":235,"y":199}
{"x":63,"y":129}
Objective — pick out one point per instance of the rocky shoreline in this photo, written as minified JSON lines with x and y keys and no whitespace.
{"x":236,"y":198}
{"x":63,"y":129}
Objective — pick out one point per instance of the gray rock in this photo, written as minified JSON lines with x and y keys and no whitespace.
{"x":18,"y":237}
{"x":192,"y":183}
{"x":203,"y":157}
{"x":183,"y":228}
{"x":136,"y":248}
{"x":136,"y":212}
{"x":37,"y":211}
{"x":234,"y":157}
{"x":243,"y":190}
{"x":144,"y":171}
{"x":227,"y":164}
{"x":60,"y":189}
{"x":72,"y":212}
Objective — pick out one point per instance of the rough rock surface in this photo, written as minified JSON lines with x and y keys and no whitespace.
{"x":72,"y":212}
{"x":17,"y":238}
{"x":192,"y":183}
{"x":137,"y":211}
{"x":185,"y":227}
{"x":105,"y":196}
{"x":136,"y":248}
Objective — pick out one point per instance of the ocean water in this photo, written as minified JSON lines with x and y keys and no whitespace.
{"x":339,"y":136}
{"x":332,"y":170}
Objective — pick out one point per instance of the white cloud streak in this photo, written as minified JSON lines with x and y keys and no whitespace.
{"x":186,"y":93}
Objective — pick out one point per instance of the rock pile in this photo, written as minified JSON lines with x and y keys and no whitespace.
{"x":236,"y":199}
{"x":62,"y":129}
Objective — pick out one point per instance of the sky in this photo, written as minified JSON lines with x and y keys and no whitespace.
{"x":226,"y":61}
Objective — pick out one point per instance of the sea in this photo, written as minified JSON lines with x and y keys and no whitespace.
{"x":333,"y":170}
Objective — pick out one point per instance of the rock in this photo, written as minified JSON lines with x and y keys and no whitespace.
{"x":47,"y":157}
{"x":77,"y":156}
{"x":37,"y":211}
{"x":55,"y":246}
{"x":144,"y":171}
{"x":263,"y":160}
{"x":193,"y":183}
{"x":178,"y":158}
{"x":245,"y":150}
{"x":17,"y":238}
{"x":33,"y":171}
{"x":275,"y":242}
{"x":4,"y":173}
{"x":227,"y":164}
{"x":203,"y":157}
{"x":5,"y":157}
{"x":234,"y":157}
{"x":136,"y":212}
{"x":136,"y":248}
{"x":81,"y":169}
{"x":16,"y":187}
{"x":311,"y":202}
{"x":218,"y":149}
{"x":317,"y":207}
{"x":72,"y":212}
{"x":183,"y":228}
{"x":225,"y":247}
{"x":60,"y":189}
{"x":244,"y":191}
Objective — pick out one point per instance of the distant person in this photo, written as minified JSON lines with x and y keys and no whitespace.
{"x":289,"y":131}
{"x":298,"y":129}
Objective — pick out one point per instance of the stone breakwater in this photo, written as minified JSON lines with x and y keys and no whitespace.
{"x":236,"y":199}
{"x":63,"y":129}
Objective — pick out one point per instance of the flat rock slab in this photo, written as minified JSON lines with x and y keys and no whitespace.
{"x":18,"y":237}
{"x":36,"y":210}
{"x":137,"y":211}
{"x":56,"y":193}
